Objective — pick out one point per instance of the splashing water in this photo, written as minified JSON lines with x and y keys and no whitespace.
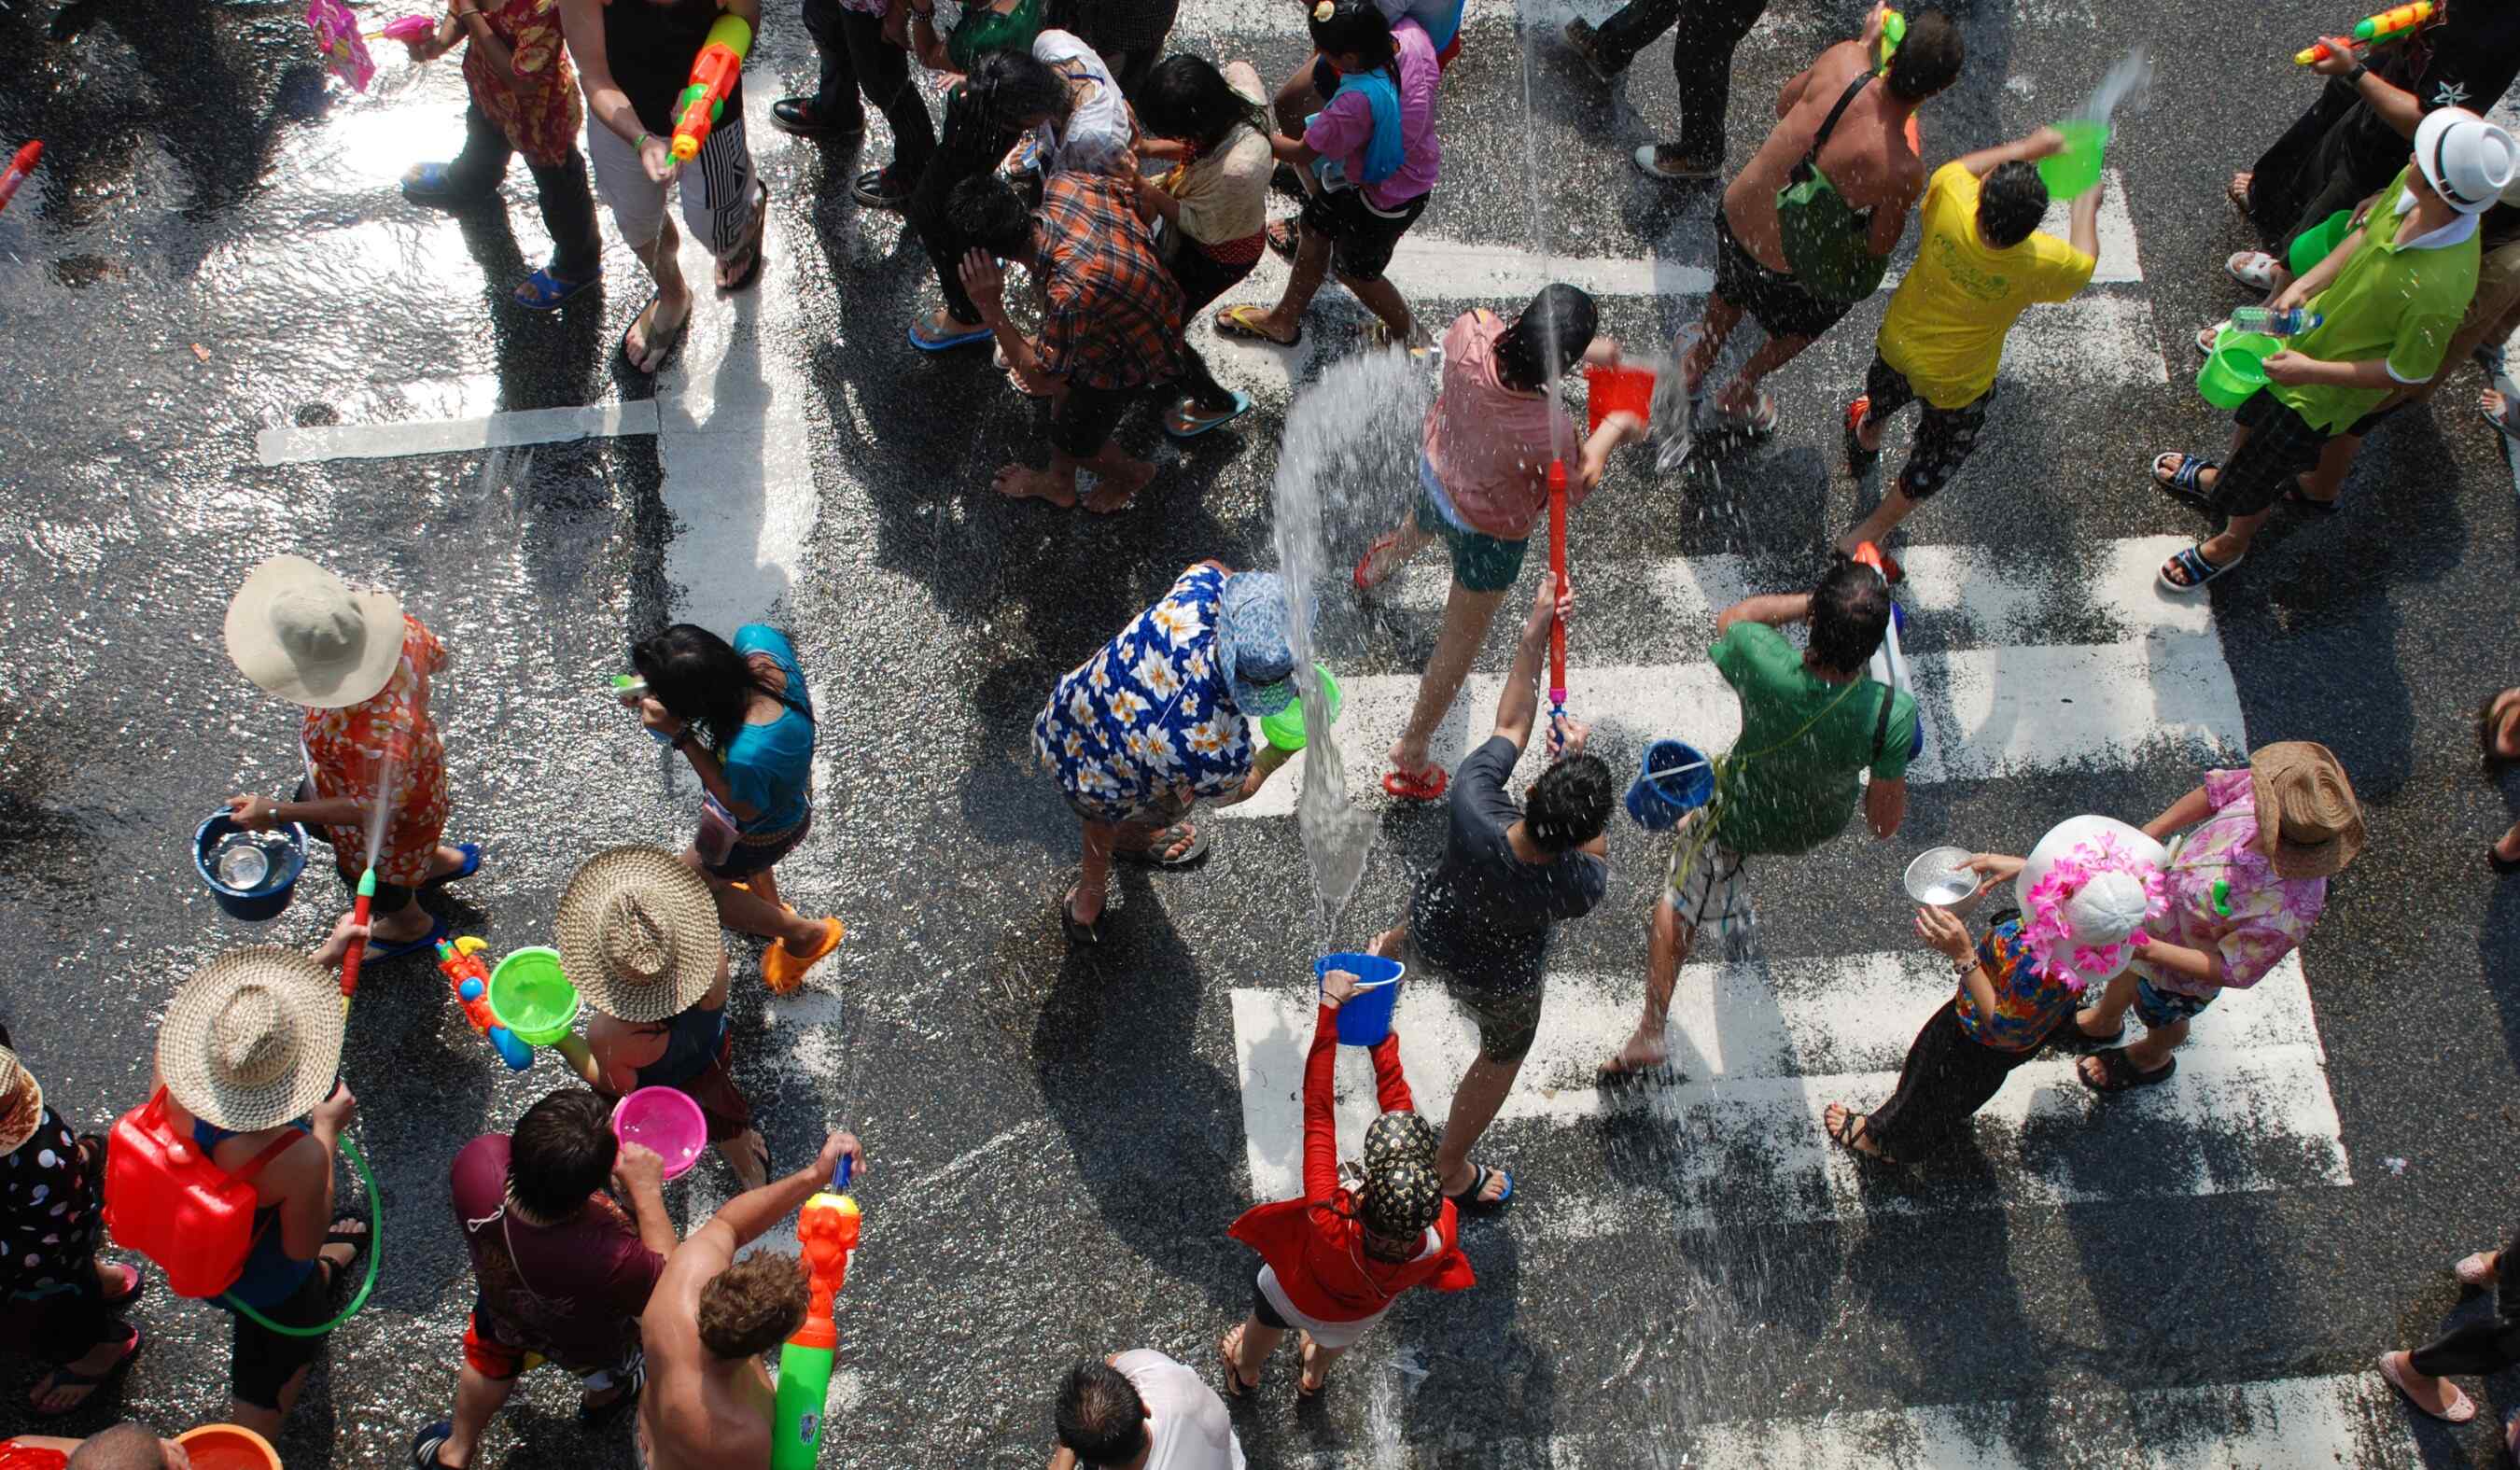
{"x":2128,"y":84}
{"x":1349,"y":454}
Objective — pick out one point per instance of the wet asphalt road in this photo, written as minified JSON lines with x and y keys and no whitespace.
{"x":214,"y":247}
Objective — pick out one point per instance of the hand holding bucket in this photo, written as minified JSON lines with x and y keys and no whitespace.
{"x":1365,"y":1016}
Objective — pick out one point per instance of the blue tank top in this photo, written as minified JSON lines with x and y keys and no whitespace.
{"x":270,"y":1276}
{"x":692,"y":1043}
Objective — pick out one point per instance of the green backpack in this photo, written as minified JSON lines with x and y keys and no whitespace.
{"x":1827,"y":240}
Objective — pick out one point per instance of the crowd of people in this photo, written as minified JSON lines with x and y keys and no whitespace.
{"x":1130,"y":188}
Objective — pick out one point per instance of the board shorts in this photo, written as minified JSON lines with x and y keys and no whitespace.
{"x":1480,"y":563}
{"x":2157,"y":1007}
{"x":1506,"y":1012}
{"x":1779,"y":302}
{"x":1945,"y":437}
{"x":1361,"y":236}
{"x":1269,"y":1303}
{"x":718,"y":188}
{"x":1710,"y":895}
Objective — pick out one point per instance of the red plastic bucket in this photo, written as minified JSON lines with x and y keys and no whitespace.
{"x":1618,"y":390}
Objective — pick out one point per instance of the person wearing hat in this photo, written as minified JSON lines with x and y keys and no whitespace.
{"x":360,"y":666}
{"x":2390,"y":298}
{"x":2245,"y":886}
{"x":248,"y":1064}
{"x":2083,"y":893}
{"x":1335,"y":1258}
{"x":639,"y":939}
{"x":51,"y":1275}
{"x":1157,"y":720}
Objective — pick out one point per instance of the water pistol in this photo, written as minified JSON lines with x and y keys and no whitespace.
{"x":1894,"y":29}
{"x":19,"y":167}
{"x":2374,"y":30}
{"x":359,"y":944}
{"x":461,"y":963}
{"x":714,"y":74}
{"x":828,"y":1230}
{"x":408,"y":30}
{"x":1557,"y":571}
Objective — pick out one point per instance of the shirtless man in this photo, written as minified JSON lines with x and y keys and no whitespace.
{"x":708,"y":1402}
{"x":1867,"y":158}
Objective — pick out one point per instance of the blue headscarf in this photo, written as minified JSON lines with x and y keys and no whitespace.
{"x":1386,"y":151}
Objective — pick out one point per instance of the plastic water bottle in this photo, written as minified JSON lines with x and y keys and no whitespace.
{"x":629,"y":689}
{"x":2269,"y":322}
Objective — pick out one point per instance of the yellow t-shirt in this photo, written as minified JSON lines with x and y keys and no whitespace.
{"x":1946,"y":324}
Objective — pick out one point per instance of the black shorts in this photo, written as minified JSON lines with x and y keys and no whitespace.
{"x":1945,"y":437}
{"x":261,"y":1360}
{"x":1085,"y":418}
{"x":1267,"y":1312}
{"x":1775,"y":298}
{"x":1362,"y":238}
{"x":2282,"y":444}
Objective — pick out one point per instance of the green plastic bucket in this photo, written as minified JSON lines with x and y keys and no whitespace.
{"x":2316,"y":243}
{"x":2072,"y":170}
{"x":531,"y":995}
{"x":2236,"y":369}
{"x":1286,"y":729}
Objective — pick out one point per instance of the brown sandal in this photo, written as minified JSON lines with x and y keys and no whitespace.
{"x":1228,"y":1349}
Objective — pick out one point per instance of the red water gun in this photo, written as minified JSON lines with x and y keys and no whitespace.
{"x":461,"y":963}
{"x":1556,"y":569}
{"x":714,"y":74}
{"x":19,"y":167}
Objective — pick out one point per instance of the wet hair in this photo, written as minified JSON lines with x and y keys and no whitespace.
{"x":1569,"y":804}
{"x":1358,"y":28}
{"x":1928,"y":60}
{"x":1101,"y":1417}
{"x":1187,"y":98}
{"x":1547,"y":339}
{"x":2496,"y":762}
{"x":125,"y":1447}
{"x":991,"y":215}
{"x":1850,"y":609}
{"x":752,"y":1305}
{"x":1015,"y":89}
{"x":561,"y":1153}
{"x":701,"y":680}
{"x":2010,"y":202}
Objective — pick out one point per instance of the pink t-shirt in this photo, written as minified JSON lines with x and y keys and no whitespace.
{"x":1342,"y":127}
{"x":1491,"y":444}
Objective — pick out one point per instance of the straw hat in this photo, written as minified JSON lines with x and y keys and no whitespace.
{"x":22,"y":1102}
{"x":253,"y":1040}
{"x":638,"y":934}
{"x":300,"y":631}
{"x":2084,"y":891}
{"x":2309,"y":824}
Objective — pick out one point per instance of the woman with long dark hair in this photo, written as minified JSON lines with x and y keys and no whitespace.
{"x":974,"y":136}
{"x":1212,"y":202}
{"x":740,"y":713}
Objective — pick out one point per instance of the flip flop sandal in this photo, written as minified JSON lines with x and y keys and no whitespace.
{"x":2118,"y":1074}
{"x":2206,"y":337}
{"x":673,"y":339}
{"x":1280,"y":238}
{"x":544,"y":291}
{"x":2476,"y":1268}
{"x":782,"y":970}
{"x":1381,"y":543}
{"x":2504,"y":424}
{"x":1154,"y":854}
{"x":751,"y":271}
{"x":2187,"y":483}
{"x":2073,"y":1040}
{"x":69,"y":1378}
{"x":1853,"y":1127}
{"x":1305,"y":1348}
{"x":131,"y":1293}
{"x":2294,"y":498}
{"x":1078,"y":931}
{"x":1235,"y":1384}
{"x":433,"y":184}
{"x":2200,"y":573}
{"x":969,"y":338}
{"x":2456,"y":1408}
{"x":1185,"y":423}
{"x":1237,"y":323}
{"x":1470,"y":1199}
{"x":1859,"y":460}
{"x":2254,"y":268}
{"x":1406,"y":786}
{"x":425,"y":1443}
{"x":471,"y":864}
{"x":378,"y":951}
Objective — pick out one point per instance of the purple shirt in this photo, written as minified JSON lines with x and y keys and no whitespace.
{"x":1340,"y":129}
{"x":572,"y":1291}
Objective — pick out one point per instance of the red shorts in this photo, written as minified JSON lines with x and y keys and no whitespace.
{"x":484,"y":1353}
{"x":1444,"y":58}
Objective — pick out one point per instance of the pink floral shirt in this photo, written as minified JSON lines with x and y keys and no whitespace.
{"x":2267,"y":917}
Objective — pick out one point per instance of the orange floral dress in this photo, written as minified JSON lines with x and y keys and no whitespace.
{"x":346,"y":753}
{"x":542,"y":115}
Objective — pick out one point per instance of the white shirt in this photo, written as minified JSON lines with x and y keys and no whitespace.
{"x":1098,"y":131}
{"x":1186,"y":1419}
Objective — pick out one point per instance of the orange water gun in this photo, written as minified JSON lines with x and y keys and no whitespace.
{"x":828,"y":1230}
{"x":2374,"y":30}
{"x":461,"y":963}
{"x":714,"y":74}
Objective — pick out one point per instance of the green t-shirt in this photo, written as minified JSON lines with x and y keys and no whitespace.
{"x":1795,"y":792}
{"x":2403,"y":303}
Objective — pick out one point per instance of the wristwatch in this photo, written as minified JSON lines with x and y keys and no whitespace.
{"x":1961,"y":966}
{"x":2356,"y":73}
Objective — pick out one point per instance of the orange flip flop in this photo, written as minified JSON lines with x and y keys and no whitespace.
{"x":1407,"y":785}
{"x":1381,"y":543}
{"x":784,"y":971}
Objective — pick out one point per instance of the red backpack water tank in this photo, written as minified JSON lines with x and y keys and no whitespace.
{"x":166,"y":1199}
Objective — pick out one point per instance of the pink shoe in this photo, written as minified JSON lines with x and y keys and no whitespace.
{"x":2477,"y":1270}
{"x":2456,"y":1407}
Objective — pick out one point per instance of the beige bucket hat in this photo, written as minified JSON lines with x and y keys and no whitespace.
{"x":639,"y":934}
{"x":2309,"y":824}
{"x":301,"y":632}
{"x":252,"y":1041}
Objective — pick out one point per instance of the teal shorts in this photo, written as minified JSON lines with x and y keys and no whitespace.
{"x":1480,"y":563}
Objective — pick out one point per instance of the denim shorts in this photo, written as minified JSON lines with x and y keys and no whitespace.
{"x":2166,"y":1007}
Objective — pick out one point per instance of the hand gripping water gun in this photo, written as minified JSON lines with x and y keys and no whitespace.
{"x":2374,"y":30}
{"x":408,"y":30}
{"x":827,"y":1230}
{"x":461,"y":963}
{"x":714,"y":74}
{"x":19,"y":167}
{"x":359,"y":943}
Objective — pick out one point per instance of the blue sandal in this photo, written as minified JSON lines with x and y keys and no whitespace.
{"x":2192,"y":563}
{"x":544,"y":291}
{"x":471,"y":864}
{"x":433,"y":184}
{"x":2184,"y":483}
{"x":1187,"y":422}
{"x":964,"y":339}
{"x":388,"y":949}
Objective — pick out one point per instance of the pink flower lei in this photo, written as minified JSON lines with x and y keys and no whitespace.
{"x":2045,"y":930}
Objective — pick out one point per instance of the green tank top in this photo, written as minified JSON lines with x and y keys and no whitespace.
{"x":983,"y":29}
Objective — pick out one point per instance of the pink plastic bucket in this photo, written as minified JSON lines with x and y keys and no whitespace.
{"x":666,"y":1121}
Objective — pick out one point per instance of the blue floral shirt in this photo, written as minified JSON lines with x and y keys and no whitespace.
{"x":1149,"y":717}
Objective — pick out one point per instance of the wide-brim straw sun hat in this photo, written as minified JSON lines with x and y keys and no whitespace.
{"x":639,"y":934}
{"x":22,"y":1102}
{"x":253,"y":1040}
{"x":2309,"y":824}
{"x":301,"y":632}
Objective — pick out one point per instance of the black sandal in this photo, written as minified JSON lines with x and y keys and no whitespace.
{"x":1470,"y":1199}
{"x":1235,"y":1384}
{"x":1159,"y":853}
{"x":2070,"y":1037}
{"x":1282,"y":239}
{"x":1077,"y":930}
{"x":2118,"y":1074}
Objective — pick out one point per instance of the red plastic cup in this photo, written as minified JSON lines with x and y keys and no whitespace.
{"x":1618,"y":390}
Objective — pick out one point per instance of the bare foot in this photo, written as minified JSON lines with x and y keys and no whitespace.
{"x":2507,"y":846}
{"x":1079,"y":910}
{"x":1642,"y":1053}
{"x":1853,"y":1129}
{"x":1023,"y":483}
{"x":1118,"y":487}
{"x":2237,"y":191}
{"x":1316,"y":1373}
{"x":400,"y":928}
{"x":337,"y":1255}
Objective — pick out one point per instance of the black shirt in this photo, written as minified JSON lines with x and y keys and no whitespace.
{"x":1484,"y":913}
{"x":2467,"y":61}
{"x":652,"y":47}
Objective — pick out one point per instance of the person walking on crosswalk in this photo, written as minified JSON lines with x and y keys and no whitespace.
{"x":1810,"y":722}
{"x":2480,"y":1347}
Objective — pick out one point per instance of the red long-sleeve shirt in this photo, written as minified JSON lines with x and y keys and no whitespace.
{"x":1315,"y":1243}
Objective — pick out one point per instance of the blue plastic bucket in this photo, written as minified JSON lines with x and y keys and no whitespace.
{"x":1664,"y":791}
{"x":1364,"y":1020}
{"x":264,"y":900}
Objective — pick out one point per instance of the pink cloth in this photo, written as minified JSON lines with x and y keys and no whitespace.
{"x":1491,"y":444}
{"x":2269,"y":916}
{"x":1340,"y":129}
